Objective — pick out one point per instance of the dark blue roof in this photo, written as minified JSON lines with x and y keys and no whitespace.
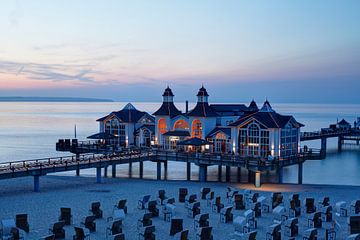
{"x":227,"y":131}
{"x":343,"y":122}
{"x":150,"y":127}
{"x":268,"y":119}
{"x":253,"y":107}
{"x":202,"y":92}
{"x":168,"y":92}
{"x":128,"y":114}
{"x":177,"y":133}
{"x":194,"y":142}
{"x":229,"y":109}
{"x":167,"y":109}
{"x":202,"y":109}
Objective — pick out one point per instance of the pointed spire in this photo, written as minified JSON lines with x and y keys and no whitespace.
{"x":253,"y":106}
{"x":202,"y":94}
{"x":129,"y":106}
{"x":266,"y":107}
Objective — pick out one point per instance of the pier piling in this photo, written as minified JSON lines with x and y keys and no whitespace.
{"x":188,"y":171}
{"x":158,"y":170}
{"x":340,"y":143}
{"x":165,"y":169}
{"x":280,"y":175}
{"x":300,"y":173}
{"x":36,"y":183}
{"x":106,"y":171}
{"x":227,"y":173}
{"x":219,"y":173}
{"x":98,"y":175}
{"x":238,"y":174}
{"x":141,"y":169}
{"x":130,"y":169}
{"x":257,"y":179}
{"x":113,"y":171}
{"x":78,"y":168}
{"x":323,"y":147}
{"x":202,"y":173}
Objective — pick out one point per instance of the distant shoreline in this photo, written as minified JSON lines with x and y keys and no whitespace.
{"x":52,"y":99}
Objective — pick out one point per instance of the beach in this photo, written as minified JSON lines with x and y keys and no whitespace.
{"x":43,"y":208}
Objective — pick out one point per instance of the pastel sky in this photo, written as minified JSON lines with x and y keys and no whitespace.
{"x":287,"y":51}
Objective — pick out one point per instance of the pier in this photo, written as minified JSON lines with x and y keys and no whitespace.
{"x":101,"y":162}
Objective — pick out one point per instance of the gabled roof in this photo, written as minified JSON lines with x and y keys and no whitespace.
{"x":229,"y":109}
{"x":253,"y":107}
{"x":268,"y":119}
{"x":167,"y":109}
{"x":177,"y":133}
{"x":227,"y":131}
{"x":150,"y":127}
{"x":202,"y":92}
{"x":128,"y":114}
{"x":202,"y":109}
{"x":343,"y":122}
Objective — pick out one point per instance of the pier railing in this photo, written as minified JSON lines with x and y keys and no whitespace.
{"x":305,"y":136}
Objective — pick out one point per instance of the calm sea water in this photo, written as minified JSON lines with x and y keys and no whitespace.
{"x":30,"y":130}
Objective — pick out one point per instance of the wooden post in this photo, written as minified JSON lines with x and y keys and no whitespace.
{"x":323,"y":147}
{"x":165,"y":170}
{"x":36,"y":183}
{"x":300,"y":173}
{"x":98,"y":175}
{"x":141,"y":169}
{"x":105,"y":171}
{"x":202,"y":173}
{"x":188,"y":171}
{"x":249,"y":176}
{"x":340,"y":142}
{"x":257,"y":179}
{"x":227,"y":173}
{"x":78,"y":168}
{"x":113,"y":170}
{"x":280,"y":175}
{"x":158,"y":170}
{"x":219,"y":172}
{"x":130,"y":169}
{"x":239,"y":174}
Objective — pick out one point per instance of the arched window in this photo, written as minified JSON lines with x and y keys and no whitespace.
{"x":254,"y":139}
{"x":162,"y":126}
{"x":181,"y":124}
{"x":197,"y":129}
{"x":220,"y":135}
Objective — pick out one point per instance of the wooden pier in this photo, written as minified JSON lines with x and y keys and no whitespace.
{"x":101,"y":161}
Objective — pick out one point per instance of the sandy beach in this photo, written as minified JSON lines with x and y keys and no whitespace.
{"x":43,"y":208}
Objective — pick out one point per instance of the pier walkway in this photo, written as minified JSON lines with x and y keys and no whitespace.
{"x":99,"y":160}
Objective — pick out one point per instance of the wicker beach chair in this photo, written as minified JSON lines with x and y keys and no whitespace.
{"x":152,"y":208}
{"x":226,"y":214}
{"x":147,"y":233}
{"x":176,"y":226}
{"x":217,"y":205}
{"x":114,"y":228}
{"x":194,"y":209}
{"x":89,"y":223}
{"x":310,"y":205}
{"x":277,"y":199}
{"x":209,"y":197}
{"x":122,"y":205}
{"x":182,"y":194}
{"x":291,"y":227}
{"x":203,"y":192}
{"x":353,"y":237}
{"x":204,"y":233}
{"x":354,"y":224}
{"x":145,"y":220}
{"x":22,"y":222}
{"x":183,"y":235}
{"x":201,"y":220}
{"x":65,"y":215}
{"x":189,"y":199}
{"x":143,"y":201}
{"x":310,"y":234}
{"x":119,"y":236}
{"x":95,"y":210}
{"x":274,"y":232}
{"x":58,"y":230}
{"x":161,"y":197}
{"x":81,"y":233}
{"x":239,"y":203}
{"x":355,"y":207}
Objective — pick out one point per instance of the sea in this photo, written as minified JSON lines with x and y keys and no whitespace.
{"x":29,"y":130}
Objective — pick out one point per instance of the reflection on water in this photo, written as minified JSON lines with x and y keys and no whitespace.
{"x":30,"y":130}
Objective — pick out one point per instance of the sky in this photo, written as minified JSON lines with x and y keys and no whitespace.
{"x":286,"y":51}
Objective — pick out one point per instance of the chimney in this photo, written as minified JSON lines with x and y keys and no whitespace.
{"x":186,"y":106}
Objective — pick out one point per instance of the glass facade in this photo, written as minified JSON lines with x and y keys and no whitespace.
{"x":289,"y":141}
{"x":254,"y":141}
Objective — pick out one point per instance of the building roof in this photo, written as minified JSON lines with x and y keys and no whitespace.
{"x":225,"y":130}
{"x":168,"y":92}
{"x":229,"y":109}
{"x":150,"y":127}
{"x":102,"y":135}
{"x":194,"y":142}
{"x":177,"y":133}
{"x":128,"y":114}
{"x":343,"y":122}
{"x":266,"y":107}
{"x":202,"y":109}
{"x":268,"y":119}
{"x":202,"y":92}
{"x":253,"y":107}
{"x":167,"y":109}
